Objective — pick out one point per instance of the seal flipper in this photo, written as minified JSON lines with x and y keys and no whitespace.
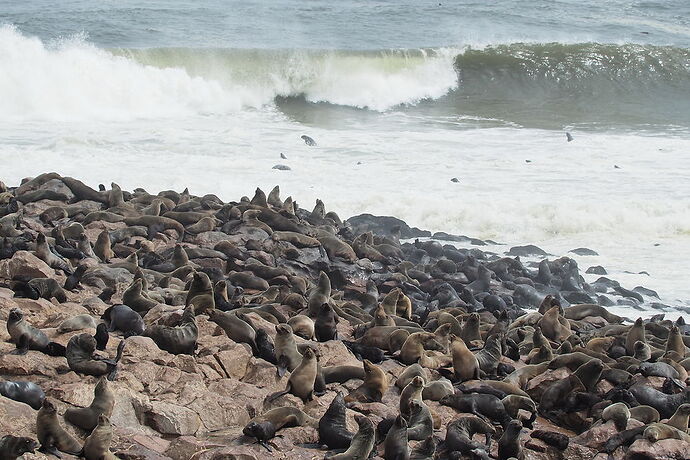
{"x":281,"y":367}
{"x":22,"y":346}
{"x":278,"y":394}
{"x":55,"y":349}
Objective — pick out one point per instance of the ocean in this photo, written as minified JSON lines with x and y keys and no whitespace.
{"x":400,"y":96}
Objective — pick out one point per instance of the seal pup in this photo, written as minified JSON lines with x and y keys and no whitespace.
{"x":102,"y":404}
{"x":301,"y":381}
{"x":659,"y":431}
{"x":180,"y":339}
{"x":362,"y":442}
{"x":333,"y":430}
{"x":77,"y":323}
{"x":395,"y":444}
{"x":302,"y":326}
{"x":51,"y":435}
{"x":200,"y":294}
{"x":13,"y":447}
{"x":25,"y":392}
{"x":97,"y":445}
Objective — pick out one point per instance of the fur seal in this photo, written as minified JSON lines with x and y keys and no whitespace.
{"x":238,"y":330}
{"x":51,"y":435}
{"x":552,"y":327}
{"x":97,"y":445}
{"x":509,"y":445}
{"x":265,"y":426}
{"x":479,"y":404}
{"x":13,"y":447}
{"x":44,"y":253}
{"x":301,"y":381}
{"x":554,"y":396}
{"x":27,"y":337}
{"x":460,"y":431}
{"x":103,"y":247}
{"x":465,"y":363}
{"x":513,"y":403}
{"x":619,"y":413}
{"x":81,"y":359}
{"x":39,"y":288}
{"x":659,"y":431}
{"x":674,"y":342}
{"x":421,"y":423}
{"x":124,"y":319}
{"x":679,"y":419}
{"x":200,"y":294}
{"x":424,"y":450}
{"x":333,"y":430}
{"x":362,"y":442}
{"x":286,"y":352}
{"x":413,"y":391}
{"x":102,"y":404}
{"x":582,"y":311}
{"x":665,"y":404}
{"x":325,"y":324}
{"x":180,"y":339}
{"x":437,"y":389}
{"x":470,"y":329}
{"x":416,"y":345}
{"x":134,"y":298}
{"x":645,"y":414}
{"x":408,"y":374}
{"x":635,"y":334}
{"x":77,"y":323}
{"x":374,"y":386}
{"x":302,"y":326}
{"x":490,"y":356}
{"x":395,"y":444}
{"x":25,"y":392}
{"x":552,"y":438}
{"x":320,"y":295}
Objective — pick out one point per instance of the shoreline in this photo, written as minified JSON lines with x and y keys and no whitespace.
{"x":263,"y":261}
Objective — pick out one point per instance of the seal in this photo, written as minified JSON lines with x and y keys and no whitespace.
{"x":265,"y":347}
{"x":412,"y":392}
{"x":589,"y":374}
{"x":521,"y":376}
{"x":180,"y":339}
{"x":674,"y":342}
{"x":44,"y":253}
{"x":124,"y":319}
{"x":97,"y":445}
{"x":13,"y":447}
{"x":287,"y":355}
{"x":325,"y":326}
{"x":77,"y":323}
{"x":320,"y":295}
{"x":25,"y":392}
{"x":479,"y":404}
{"x":362,"y":442}
{"x":416,"y":345}
{"x":200,"y":294}
{"x":265,"y":426}
{"x":552,"y":327}
{"x":460,"y":431}
{"x":582,"y":311}
{"x":134,"y":298}
{"x":513,"y":403}
{"x":238,"y":330}
{"x":645,"y":414}
{"x":27,"y":337}
{"x":465,"y":364}
{"x":490,"y":356}
{"x":302,"y":326}
{"x":680,"y":418}
{"x":301,"y":381}
{"x":409,"y":373}
{"x":470,"y":329}
{"x":51,"y":435}
{"x":552,"y":438}
{"x":421,"y":424}
{"x":103,"y":247}
{"x":395,"y":444}
{"x":38,"y":288}
{"x":81,"y":359}
{"x":374,"y":386}
{"x":333,"y":430}
{"x":509,"y":444}
{"x":437,"y":389}
{"x":619,"y":413}
{"x":102,"y":404}
{"x":555,"y":395}
{"x":635,"y":334}
{"x":659,"y":431}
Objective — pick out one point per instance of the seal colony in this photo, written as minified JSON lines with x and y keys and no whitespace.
{"x":178,"y":326}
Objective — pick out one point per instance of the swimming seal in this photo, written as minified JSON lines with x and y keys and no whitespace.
{"x":333,"y":430}
{"x":97,"y":445}
{"x":362,"y":442}
{"x":51,"y":435}
{"x":13,"y":447}
{"x":25,"y":392}
{"x":395,"y":444}
{"x":102,"y":404}
{"x":180,"y":339}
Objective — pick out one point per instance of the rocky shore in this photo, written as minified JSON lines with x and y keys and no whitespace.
{"x":168,"y":325}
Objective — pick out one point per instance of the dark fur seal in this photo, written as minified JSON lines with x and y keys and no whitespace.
{"x":124,"y":319}
{"x":460,"y":431}
{"x":51,"y":435}
{"x":395,"y":444}
{"x":479,"y":404}
{"x":27,"y":337}
{"x":373,"y":354}
{"x":333,"y":430}
{"x":102,"y":404}
{"x":26,"y":392}
{"x":680,"y":418}
{"x":425,"y":450}
{"x":81,"y":358}
{"x":39,"y":288}
{"x":421,"y":424}
{"x":325,"y":324}
{"x":552,"y":438}
{"x":665,"y":404}
{"x":97,"y":445}
{"x":180,"y":339}
{"x":362,"y":442}
{"x":320,"y":295}
{"x":509,"y":445}
{"x":13,"y":447}
{"x":238,"y":330}
{"x":265,"y":426}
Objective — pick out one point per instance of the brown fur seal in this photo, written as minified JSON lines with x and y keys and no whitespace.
{"x":333,"y":430}
{"x":325,"y":326}
{"x":659,"y":431}
{"x":180,"y":339}
{"x":286,"y":352}
{"x":395,"y":444}
{"x":102,"y":404}
{"x":81,"y":359}
{"x":409,"y":373}
{"x":480,"y":404}
{"x":509,"y":445}
{"x":390,"y":301}
{"x":301,"y":381}
{"x":513,"y":403}
{"x":397,"y":339}
{"x":403,"y":306}
{"x":470,"y":329}
{"x":645,"y":414}
{"x":238,"y":330}
{"x":51,"y":435}
{"x":44,"y":253}
{"x":13,"y":447}
{"x":200,"y":294}
{"x":421,"y":424}
{"x":459,"y":434}
{"x":416,"y":345}
{"x":265,"y":426}
{"x":465,"y":364}
{"x":636,"y":333}
{"x":103,"y":247}
{"x":413,"y":391}
{"x":134,"y":298}
{"x":582,"y":311}
{"x":600,"y":344}
{"x":674,"y":342}
{"x":320,"y":295}
{"x":554,"y":396}
{"x":97,"y":445}
{"x":521,"y":376}
{"x":552,"y":327}
{"x":540,"y":355}
{"x":19,"y":329}
{"x":619,"y":413}
{"x":590,"y":374}
{"x":680,"y":418}
{"x":362,"y":442}
{"x":374,"y":386}
{"x":302,"y":326}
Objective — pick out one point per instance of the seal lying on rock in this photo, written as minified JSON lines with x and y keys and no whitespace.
{"x":81,"y":358}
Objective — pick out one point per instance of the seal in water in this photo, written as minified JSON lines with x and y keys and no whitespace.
{"x":308,"y":140}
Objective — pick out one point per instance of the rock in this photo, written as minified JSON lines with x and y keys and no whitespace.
{"x":666,"y":449}
{"x":184,"y":447}
{"x":584,"y":252}
{"x":234,"y":362}
{"x":595,"y":437}
{"x":167,"y":418}
{"x":382,"y":225}
{"x":138,"y":349}
{"x":17,"y":418}
{"x":596,"y":270}
{"x":32,"y":363}
{"x":529,"y":250}
{"x":538,"y":385}
{"x":24,"y":263}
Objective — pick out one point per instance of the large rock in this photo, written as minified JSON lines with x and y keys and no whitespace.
{"x":667,"y":449}
{"x":596,"y":437}
{"x":383,"y":225}
{"x":172,"y":419}
{"x":24,"y":263}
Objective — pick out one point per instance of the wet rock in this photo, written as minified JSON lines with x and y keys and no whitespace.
{"x":529,"y":250}
{"x":596,"y":270}
{"x":584,"y":252}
